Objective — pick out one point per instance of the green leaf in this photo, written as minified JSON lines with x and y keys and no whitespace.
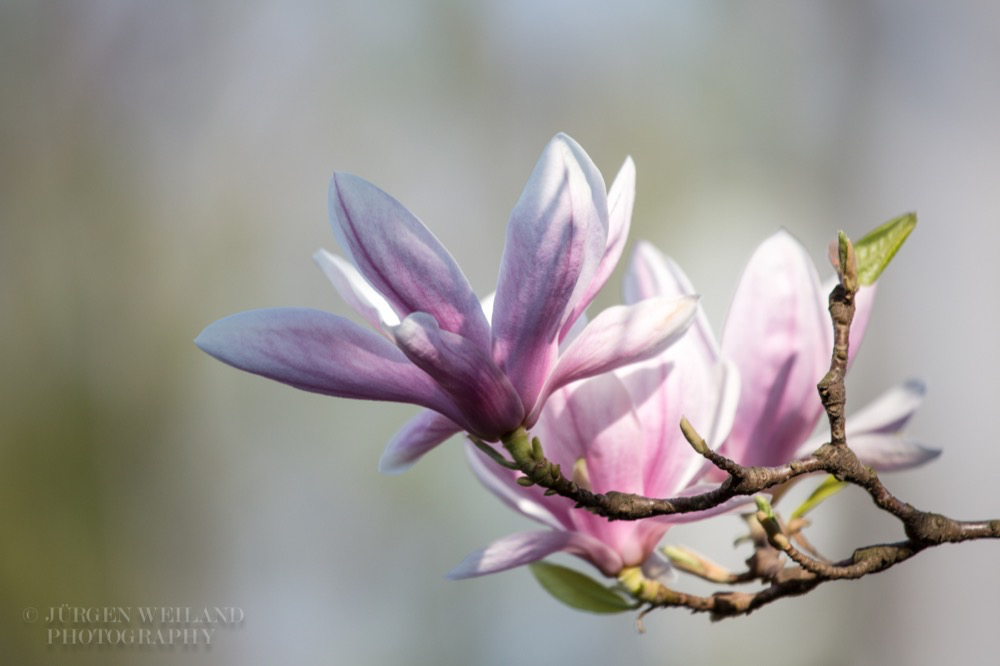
{"x":877,"y":248}
{"x":831,"y":486}
{"x":578,"y":590}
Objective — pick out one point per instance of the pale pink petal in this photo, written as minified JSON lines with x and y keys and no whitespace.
{"x":356,"y":291}
{"x":727,"y":391}
{"x":864,"y":301}
{"x":321,"y":352}
{"x":777,"y":334}
{"x":655,"y":388}
{"x":597,"y":424}
{"x":486,"y":399}
{"x":420,"y":434}
{"x":555,"y":240}
{"x":527,"y":547}
{"x":601,"y":420}
{"x":619,"y":336}
{"x":651,"y":273}
{"x":621,"y":198}
{"x":402,"y":259}
{"x":688,"y":379}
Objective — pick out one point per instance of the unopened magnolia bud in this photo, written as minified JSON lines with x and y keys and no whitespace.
{"x":848,"y":268}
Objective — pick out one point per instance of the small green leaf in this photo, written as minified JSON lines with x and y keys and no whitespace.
{"x":877,"y":248}
{"x":578,"y":590}
{"x":830,"y":486}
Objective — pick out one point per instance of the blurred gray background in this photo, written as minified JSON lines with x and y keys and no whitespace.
{"x":166,"y":164}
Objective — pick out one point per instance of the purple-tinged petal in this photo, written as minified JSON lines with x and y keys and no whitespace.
{"x":777,"y":334}
{"x":889,"y":412}
{"x":489,"y":405}
{"x":659,"y":568}
{"x":356,"y":292}
{"x":555,"y":240}
{"x":873,"y":432}
{"x":527,"y":547}
{"x":889,"y":452}
{"x":501,"y":482}
{"x":619,"y":336}
{"x":321,"y":352}
{"x":402,"y":259}
{"x":420,"y":434}
{"x":621,"y":198}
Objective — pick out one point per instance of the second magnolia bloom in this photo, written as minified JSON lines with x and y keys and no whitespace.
{"x":755,"y":399}
{"x":779,"y":335}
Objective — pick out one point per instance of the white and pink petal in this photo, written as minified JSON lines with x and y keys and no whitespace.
{"x":402,"y":259}
{"x":556,"y":238}
{"x":619,"y":336}
{"x":621,"y":200}
{"x":356,"y":292}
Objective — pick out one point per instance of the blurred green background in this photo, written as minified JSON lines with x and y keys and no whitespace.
{"x":165,"y":164}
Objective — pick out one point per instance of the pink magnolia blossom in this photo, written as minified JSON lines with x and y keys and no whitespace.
{"x":779,"y":335}
{"x":619,"y":431}
{"x":433,"y":345}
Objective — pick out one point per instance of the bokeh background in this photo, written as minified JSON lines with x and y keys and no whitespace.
{"x":165,"y":164}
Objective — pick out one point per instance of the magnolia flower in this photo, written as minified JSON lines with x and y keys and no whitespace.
{"x":433,"y":345}
{"x":779,"y":335}
{"x":619,"y":431}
